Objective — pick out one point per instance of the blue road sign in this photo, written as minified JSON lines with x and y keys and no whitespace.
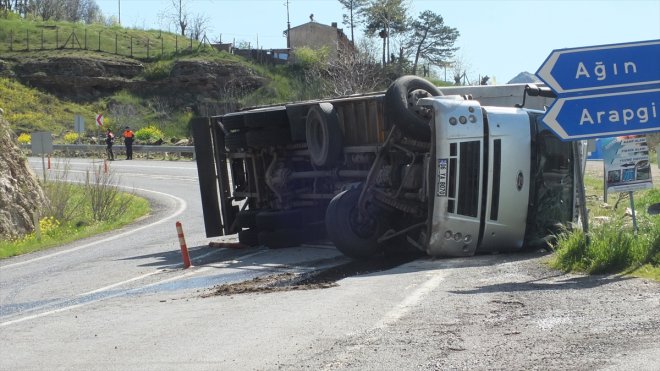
{"x":615,"y":66}
{"x":605,"y":115}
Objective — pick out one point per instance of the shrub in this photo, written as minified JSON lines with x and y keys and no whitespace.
{"x":102,"y":191}
{"x":70,"y":138}
{"x":148,"y":134}
{"x":158,"y":70}
{"x":24,"y":138}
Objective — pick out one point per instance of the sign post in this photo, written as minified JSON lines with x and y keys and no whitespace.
{"x":79,"y":126}
{"x":42,"y":143}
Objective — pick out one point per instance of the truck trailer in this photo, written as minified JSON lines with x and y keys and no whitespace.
{"x":445,"y":171}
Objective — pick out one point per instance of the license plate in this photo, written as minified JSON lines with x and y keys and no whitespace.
{"x":441,"y":188}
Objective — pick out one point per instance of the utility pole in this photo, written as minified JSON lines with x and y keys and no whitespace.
{"x":288,"y":27}
{"x":119,"y":12}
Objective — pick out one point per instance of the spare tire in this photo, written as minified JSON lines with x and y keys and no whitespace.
{"x":323,"y":134}
{"x":401,"y":107}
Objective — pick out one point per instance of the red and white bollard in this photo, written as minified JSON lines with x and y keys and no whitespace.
{"x":48,"y":162}
{"x":184,"y":248}
{"x":105,"y":166}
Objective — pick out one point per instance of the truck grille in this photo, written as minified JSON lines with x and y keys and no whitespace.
{"x":468,"y":178}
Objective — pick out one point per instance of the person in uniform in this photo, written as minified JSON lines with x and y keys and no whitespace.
{"x":128,"y":141}
{"x":109,"y":141}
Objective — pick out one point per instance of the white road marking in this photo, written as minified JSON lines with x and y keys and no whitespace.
{"x":74,"y":306}
{"x":410,"y":301}
{"x":121,"y":283}
{"x":193,"y":270}
{"x":182,"y":206}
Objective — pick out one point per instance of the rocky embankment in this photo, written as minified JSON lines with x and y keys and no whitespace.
{"x":88,"y":77}
{"x":20,"y":192}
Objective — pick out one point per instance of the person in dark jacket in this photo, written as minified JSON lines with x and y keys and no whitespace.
{"x":128,"y":141}
{"x":109,"y":141}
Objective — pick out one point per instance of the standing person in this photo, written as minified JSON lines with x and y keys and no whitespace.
{"x":109,"y":141}
{"x":128,"y":141}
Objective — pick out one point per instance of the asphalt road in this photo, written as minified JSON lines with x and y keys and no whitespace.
{"x":122,"y":301}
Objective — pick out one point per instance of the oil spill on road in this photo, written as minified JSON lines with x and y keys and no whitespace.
{"x":319,"y":279}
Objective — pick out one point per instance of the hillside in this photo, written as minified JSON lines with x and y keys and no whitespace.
{"x":43,"y":89}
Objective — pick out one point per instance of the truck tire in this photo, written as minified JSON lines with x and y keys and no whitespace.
{"x":355,"y":238}
{"x":247,"y":218}
{"x":290,"y":237}
{"x":292,"y":218}
{"x":266,"y":118}
{"x":268,"y":137}
{"x":324,"y":138}
{"x":286,"y":237}
{"x":249,"y":237}
{"x":235,"y":141}
{"x":401,"y":106}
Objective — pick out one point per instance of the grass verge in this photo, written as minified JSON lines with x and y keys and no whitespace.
{"x":77,"y":211}
{"x":612,"y":246}
{"x":54,"y":233}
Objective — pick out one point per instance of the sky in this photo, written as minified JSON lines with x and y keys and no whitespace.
{"x":499,"y":39}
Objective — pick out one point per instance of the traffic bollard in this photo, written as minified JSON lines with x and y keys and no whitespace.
{"x":184,"y":248}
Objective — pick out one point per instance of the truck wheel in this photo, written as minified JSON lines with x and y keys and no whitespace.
{"x":277,"y":219}
{"x":249,"y":237}
{"x":247,"y":218}
{"x":289,"y":237}
{"x":353,"y":234}
{"x":401,"y":106}
{"x":268,"y":137}
{"x":324,"y":138}
{"x":286,"y":237}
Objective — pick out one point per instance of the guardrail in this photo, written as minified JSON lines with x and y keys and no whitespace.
{"x":119,"y":149}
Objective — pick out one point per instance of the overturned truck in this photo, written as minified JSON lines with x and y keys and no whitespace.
{"x":450,"y":174}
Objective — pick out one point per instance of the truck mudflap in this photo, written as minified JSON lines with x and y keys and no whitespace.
{"x":211,"y":174}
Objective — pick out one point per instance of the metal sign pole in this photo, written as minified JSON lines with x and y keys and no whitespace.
{"x":632,"y":207}
{"x":580,"y":186}
{"x":43,"y":159}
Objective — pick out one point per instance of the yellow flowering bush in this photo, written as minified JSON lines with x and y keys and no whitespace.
{"x":70,"y":138}
{"x":24,"y":138}
{"x":148,"y":134}
{"x":48,"y":225}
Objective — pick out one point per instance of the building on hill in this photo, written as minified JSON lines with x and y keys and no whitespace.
{"x":315,"y":35}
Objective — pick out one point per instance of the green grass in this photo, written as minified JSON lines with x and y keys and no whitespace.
{"x":55,"y":234}
{"x":29,"y":110}
{"x":20,"y":36}
{"x":612,"y":246}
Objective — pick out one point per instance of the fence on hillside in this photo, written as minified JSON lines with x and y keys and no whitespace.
{"x":109,"y":41}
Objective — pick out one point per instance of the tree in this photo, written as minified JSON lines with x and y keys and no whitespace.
{"x":177,"y":14}
{"x":61,"y":10}
{"x":432,"y":40}
{"x":198,"y":26}
{"x":353,"y":7}
{"x":384,"y":18}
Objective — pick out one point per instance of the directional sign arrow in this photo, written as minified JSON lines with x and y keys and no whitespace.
{"x":602,"y":67}
{"x":605,"y":115}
